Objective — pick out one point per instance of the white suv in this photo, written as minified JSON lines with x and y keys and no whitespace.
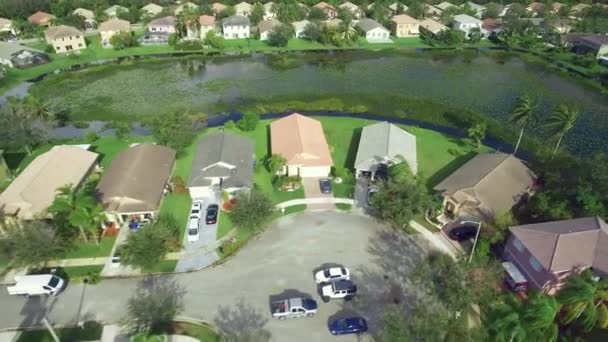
{"x":197,"y":207}
{"x":193,"y":235}
{"x":332,"y":274}
{"x":338,"y":289}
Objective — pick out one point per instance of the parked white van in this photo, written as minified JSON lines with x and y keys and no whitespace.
{"x":36,"y":285}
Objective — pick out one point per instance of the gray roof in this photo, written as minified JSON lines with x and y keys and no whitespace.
{"x":163,"y":21}
{"x":382,"y":141}
{"x":7,"y":50}
{"x":562,"y":245}
{"x":369,"y":24}
{"x":495,"y":180}
{"x":465,"y":18}
{"x":223,"y":155}
{"x":236,"y":20}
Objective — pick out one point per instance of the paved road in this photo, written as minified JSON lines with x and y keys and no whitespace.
{"x":235,"y":295}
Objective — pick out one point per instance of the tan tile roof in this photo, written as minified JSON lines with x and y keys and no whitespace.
{"x":300,"y":140}
{"x":115,"y":25}
{"x":135,"y":180}
{"x":267,"y":25}
{"x":40,"y":17}
{"x":5,"y":22}
{"x":433,"y":26}
{"x":404,"y":19}
{"x":324,"y":5}
{"x":61,"y":31}
{"x":535,"y":6}
{"x":218,"y":7}
{"x":31,"y":193}
{"x":85,"y":13}
{"x":206,"y":20}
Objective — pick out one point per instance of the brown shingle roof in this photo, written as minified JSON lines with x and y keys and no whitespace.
{"x":206,"y":20}
{"x":115,"y":25}
{"x":31,"y":193}
{"x":135,"y":180}
{"x":536,"y":7}
{"x":40,"y":18}
{"x":164,"y":21}
{"x":300,"y":140}
{"x":323,"y":5}
{"x":562,"y":245}
{"x":490,"y":24}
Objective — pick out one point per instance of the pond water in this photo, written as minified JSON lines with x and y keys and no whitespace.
{"x":473,"y":81}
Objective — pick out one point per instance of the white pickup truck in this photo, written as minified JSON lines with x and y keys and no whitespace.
{"x":294,"y":308}
{"x":36,"y":285}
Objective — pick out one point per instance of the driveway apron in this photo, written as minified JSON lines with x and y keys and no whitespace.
{"x":312,"y":189}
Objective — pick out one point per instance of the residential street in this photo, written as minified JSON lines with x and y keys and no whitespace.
{"x":235,"y":295}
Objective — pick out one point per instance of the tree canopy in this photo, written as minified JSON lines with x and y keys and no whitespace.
{"x":252,"y":209}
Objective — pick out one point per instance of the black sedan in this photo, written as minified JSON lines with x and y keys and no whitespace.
{"x":211,"y":216}
{"x":464,"y":231}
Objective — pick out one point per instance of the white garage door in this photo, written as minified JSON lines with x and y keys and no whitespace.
{"x":199,"y":191}
{"x":315,"y":171}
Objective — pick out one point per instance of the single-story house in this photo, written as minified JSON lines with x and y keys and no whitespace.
{"x":65,"y":39}
{"x":405,"y":26}
{"x":395,"y":6}
{"x":374,"y":31}
{"x":445,"y":5}
{"x":354,"y":10}
{"x":151,"y":9}
{"x":299,"y":27}
{"x":557,"y":6}
{"x":466,"y":23}
{"x":547,"y":253}
{"x":265,"y":27}
{"x":479,"y":9}
{"x":206,"y":24}
{"x":41,"y":18}
{"x":34,"y":190}
{"x":432,"y":26}
{"x":163,"y":24}
{"x":535,"y":8}
{"x":329,"y":10}
{"x":186,"y":6}
{"x":578,"y":9}
{"x":111,"y":27}
{"x":134,"y":184}
{"x":488,"y":185}
{"x":218,"y":7}
{"x":387,"y":144}
{"x":6,"y":25}
{"x":113,"y":11}
{"x":223,"y":162}
{"x":492,"y":26}
{"x":596,"y":44}
{"x":433,"y":12}
{"x":14,"y":55}
{"x":235,"y":27}
{"x":301,"y":141}
{"x":89,"y":17}
{"x":243,"y":9}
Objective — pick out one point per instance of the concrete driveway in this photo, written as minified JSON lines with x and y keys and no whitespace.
{"x":235,"y":295}
{"x":312,"y":189}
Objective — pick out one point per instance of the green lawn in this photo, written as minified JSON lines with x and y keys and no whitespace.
{"x":91,"y":249}
{"x":225,"y":225}
{"x":165,"y":266}
{"x":295,"y":209}
{"x":201,"y":332}
{"x":90,"y":332}
{"x":76,"y":273}
{"x":344,"y":206}
{"x":177,"y":205}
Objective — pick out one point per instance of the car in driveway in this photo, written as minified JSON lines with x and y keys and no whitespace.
{"x":338,"y":289}
{"x":196,"y":209}
{"x":325,"y":185}
{"x":464,"y":231}
{"x":349,"y":325}
{"x":193,"y":233}
{"x":332,"y":274}
{"x":211,"y":215}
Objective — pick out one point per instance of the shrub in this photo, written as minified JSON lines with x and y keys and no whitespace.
{"x":81,"y":124}
{"x":123,"y":40}
{"x":214,"y":40}
{"x":91,"y":137}
{"x":179,"y":186}
{"x":251,"y":210}
{"x":249,"y":122}
{"x":189,"y":45}
{"x":229,"y":124}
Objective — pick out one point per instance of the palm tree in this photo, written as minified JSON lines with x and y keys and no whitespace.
{"x":38,"y":108}
{"x":561,"y":122}
{"x":80,"y":209}
{"x":539,"y":314}
{"x":523,"y":115}
{"x":584,"y":299}
{"x":506,"y":321}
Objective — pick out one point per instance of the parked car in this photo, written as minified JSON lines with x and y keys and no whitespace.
{"x":465,"y":230}
{"x":325,"y":185}
{"x":381,"y":173}
{"x":350,"y":325}
{"x":36,"y":285}
{"x":332,"y":274}
{"x":338,"y":289}
{"x":371,"y":191}
{"x":197,"y":208}
{"x":211,"y":217}
{"x":193,"y":234}
{"x":293,"y":308}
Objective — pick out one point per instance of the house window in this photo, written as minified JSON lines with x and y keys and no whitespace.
{"x":535,"y":264}
{"x":518,"y":245}
{"x":77,"y":37}
{"x":79,"y":44}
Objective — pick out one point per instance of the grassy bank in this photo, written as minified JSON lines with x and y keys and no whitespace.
{"x":91,"y":331}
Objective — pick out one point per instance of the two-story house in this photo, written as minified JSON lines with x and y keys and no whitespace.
{"x":466,"y":23}
{"x":405,"y":26}
{"x":111,"y":27}
{"x":206,"y":24}
{"x":65,"y":39}
{"x":235,"y":27}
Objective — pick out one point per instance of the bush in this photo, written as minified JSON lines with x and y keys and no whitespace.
{"x":214,"y":40}
{"x":123,"y":40}
{"x":251,"y":210}
{"x":280,"y":35}
{"x":91,"y":137}
{"x":229,"y":124}
{"x":189,"y":45}
{"x":179,"y":186}
{"x":173,"y":39}
{"x":81,"y":124}
{"x":249,"y":122}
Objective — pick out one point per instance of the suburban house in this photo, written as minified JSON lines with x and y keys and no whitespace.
{"x":466,"y":23}
{"x":134,"y":184}
{"x":235,"y":27}
{"x":299,"y":27}
{"x":354,"y":10}
{"x":578,"y":9}
{"x":433,"y":12}
{"x":89,"y":17}
{"x":557,"y":6}
{"x":581,"y":43}
{"x":405,"y":26}
{"x":186,"y":6}
{"x":163,"y":24}
{"x":217,"y":7}
{"x":206,"y":24}
{"x":265,"y":27}
{"x":488,"y":185}
{"x":14,"y":55}
{"x":34,"y":190}
{"x":535,"y":8}
{"x":432,"y":26}
{"x":329,"y":10}
{"x":301,"y":141}
{"x":41,"y":18}
{"x":6,"y":25}
{"x":65,"y":39}
{"x":445,"y":5}
{"x":151,"y":10}
{"x":479,"y":9}
{"x":395,"y":6}
{"x":223,"y":162}
{"x":383,"y":143}
{"x":268,"y":12}
{"x":113,"y":11}
{"x":109,"y":28}
{"x":547,"y":253}
{"x":492,"y":26}
{"x":374,"y":32}
{"x":333,"y":22}
{"x":243,"y":9}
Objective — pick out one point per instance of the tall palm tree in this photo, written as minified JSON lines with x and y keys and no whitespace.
{"x":523,"y":115}
{"x":584,"y":299}
{"x":561,"y":122}
{"x":506,"y":321}
{"x":38,"y":109}
{"x":539,"y":314}
{"x":81,"y":210}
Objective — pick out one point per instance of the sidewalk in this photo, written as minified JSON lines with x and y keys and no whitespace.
{"x":433,"y":239}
